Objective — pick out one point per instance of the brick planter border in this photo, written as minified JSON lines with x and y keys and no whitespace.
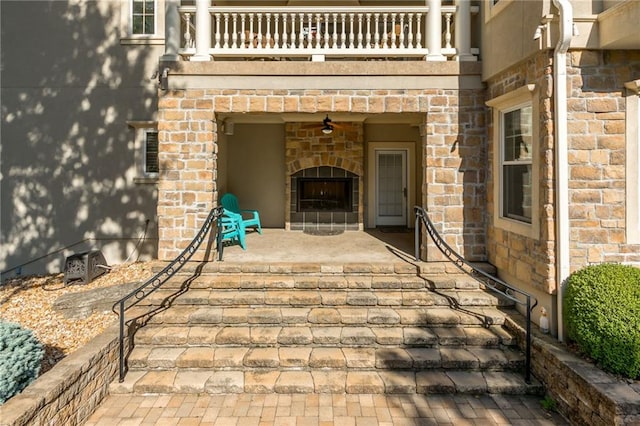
{"x":585,"y":394}
{"x":71,"y":391}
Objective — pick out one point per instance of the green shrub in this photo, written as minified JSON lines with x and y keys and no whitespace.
{"x":20,"y":357}
{"x":602,"y":314}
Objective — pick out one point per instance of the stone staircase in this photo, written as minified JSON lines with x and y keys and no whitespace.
{"x":314,"y":328}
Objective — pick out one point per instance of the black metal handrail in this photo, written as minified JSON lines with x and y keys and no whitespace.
{"x":137,"y":295}
{"x":491,"y":282}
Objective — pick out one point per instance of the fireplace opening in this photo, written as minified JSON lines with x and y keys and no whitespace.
{"x":324,"y":194}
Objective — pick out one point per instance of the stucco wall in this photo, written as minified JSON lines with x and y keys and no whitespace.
{"x":68,"y":89}
{"x":255,"y":170}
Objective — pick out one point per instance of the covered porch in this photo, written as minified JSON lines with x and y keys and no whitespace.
{"x":249,"y":130}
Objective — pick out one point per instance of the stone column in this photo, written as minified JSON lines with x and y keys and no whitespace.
{"x":203,"y":31}
{"x":463,"y":31}
{"x":434,"y":31}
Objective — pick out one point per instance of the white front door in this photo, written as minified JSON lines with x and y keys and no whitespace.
{"x":391,"y":187}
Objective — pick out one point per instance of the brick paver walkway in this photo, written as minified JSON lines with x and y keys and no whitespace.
{"x":321,"y":410}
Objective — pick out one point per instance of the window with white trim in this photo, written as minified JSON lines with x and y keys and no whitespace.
{"x":494,"y":7}
{"x":142,"y":22}
{"x":515,"y":161}
{"x":516,"y":164}
{"x":143,"y":17}
{"x":632,"y":136}
{"x":145,"y":145}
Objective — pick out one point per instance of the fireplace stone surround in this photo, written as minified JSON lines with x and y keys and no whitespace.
{"x":316,"y":161}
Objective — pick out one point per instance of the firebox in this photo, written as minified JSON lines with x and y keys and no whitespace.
{"x":324,"y":198}
{"x":324,"y":194}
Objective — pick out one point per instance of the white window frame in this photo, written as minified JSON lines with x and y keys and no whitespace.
{"x":141,"y":128}
{"x":492,"y":9}
{"x":155,"y":18}
{"x":632,"y":134}
{"x":157,"y":38}
{"x":521,"y":97}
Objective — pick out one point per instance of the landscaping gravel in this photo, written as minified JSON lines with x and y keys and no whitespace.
{"x":29,"y":301}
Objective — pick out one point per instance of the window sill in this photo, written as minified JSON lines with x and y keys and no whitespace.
{"x":146,"y":180}
{"x":142,"y":40}
{"x":517,"y":227}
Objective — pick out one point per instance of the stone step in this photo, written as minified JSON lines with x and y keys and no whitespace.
{"x":426,"y":269}
{"x":425,"y":316}
{"x":293,"y":381}
{"x":323,"y":281}
{"x":325,"y":336}
{"x":297,"y":297}
{"x":310,"y":357}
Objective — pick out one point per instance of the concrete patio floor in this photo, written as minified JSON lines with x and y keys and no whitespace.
{"x":279,"y":245}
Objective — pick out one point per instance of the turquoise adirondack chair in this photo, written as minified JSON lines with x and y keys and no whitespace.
{"x":230,"y":230}
{"x":250,"y":218}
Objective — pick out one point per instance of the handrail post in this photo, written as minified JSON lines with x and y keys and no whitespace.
{"x":416,"y":237}
{"x":527,"y":366}
{"x":121,"y":354}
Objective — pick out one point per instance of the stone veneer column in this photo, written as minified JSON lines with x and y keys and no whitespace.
{"x":187,"y":156}
{"x":454,"y":161}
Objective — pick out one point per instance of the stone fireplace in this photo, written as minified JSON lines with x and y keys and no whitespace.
{"x":324,"y":198}
{"x":324,"y":178}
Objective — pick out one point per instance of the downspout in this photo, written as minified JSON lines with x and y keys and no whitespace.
{"x":562,"y":152}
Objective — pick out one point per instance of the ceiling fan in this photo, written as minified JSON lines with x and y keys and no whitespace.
{"x":327,"y":125}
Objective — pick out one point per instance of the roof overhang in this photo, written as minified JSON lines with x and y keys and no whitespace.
{"x":619,"y":26}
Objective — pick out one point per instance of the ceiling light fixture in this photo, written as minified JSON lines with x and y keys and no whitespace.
{"x":327,"y":129}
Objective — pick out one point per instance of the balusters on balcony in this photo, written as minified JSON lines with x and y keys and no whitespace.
{"x":188,"y":40}
{"x":433,"y":32}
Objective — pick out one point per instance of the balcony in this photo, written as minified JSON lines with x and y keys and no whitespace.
{"x":434,"y":32}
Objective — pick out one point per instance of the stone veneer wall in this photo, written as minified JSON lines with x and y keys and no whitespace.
{"x":596,"y":127}
{"x":453,"y":154}
{"x":308,"y":147}
{"x":585,"y":394}
{"x":527,"y":260}
{"x":71,"y":391}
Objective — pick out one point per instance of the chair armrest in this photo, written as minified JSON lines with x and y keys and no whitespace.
{"x":252,"y":212}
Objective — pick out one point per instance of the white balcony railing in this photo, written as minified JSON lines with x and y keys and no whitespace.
{"x":433,"y":32}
